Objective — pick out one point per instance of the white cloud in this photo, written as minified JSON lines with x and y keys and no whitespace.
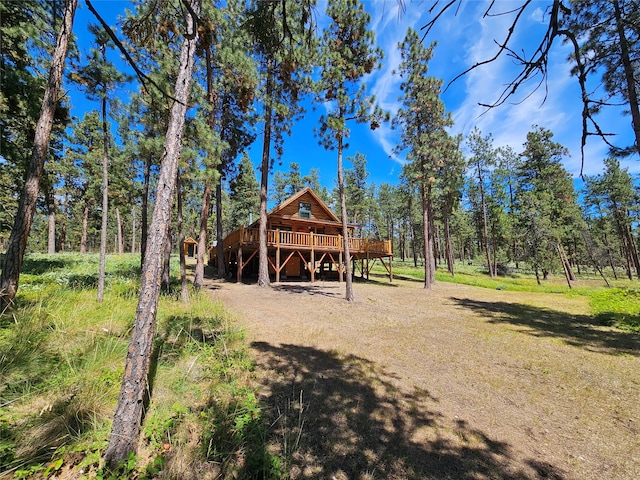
{"x":466,"y":39}
{"x":538,"y":15}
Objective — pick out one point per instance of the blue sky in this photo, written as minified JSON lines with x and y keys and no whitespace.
{"x":463,"y":40}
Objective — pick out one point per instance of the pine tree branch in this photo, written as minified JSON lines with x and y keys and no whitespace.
{"x":141,"y":75}
{"x":536,"y":64}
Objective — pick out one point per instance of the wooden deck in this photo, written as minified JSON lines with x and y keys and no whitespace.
{"x":307,"y":241}
{"x":304,"y":253}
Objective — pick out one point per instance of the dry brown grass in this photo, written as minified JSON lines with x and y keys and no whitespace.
{"x":457,"y":382}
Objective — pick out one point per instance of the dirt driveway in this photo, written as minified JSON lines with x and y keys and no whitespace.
{"x":457,"y":382}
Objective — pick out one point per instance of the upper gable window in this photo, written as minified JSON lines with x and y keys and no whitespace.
{"x":304,"y":210}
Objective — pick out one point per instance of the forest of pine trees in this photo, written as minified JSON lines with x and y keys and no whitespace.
{"x":254,"y":65}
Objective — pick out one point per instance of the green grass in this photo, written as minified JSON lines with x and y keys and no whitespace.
{"x":62,"y":358}
{"x":618,"y":305}
{"x":61,"y":362}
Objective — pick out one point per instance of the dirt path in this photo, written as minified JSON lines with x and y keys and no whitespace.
{"x":457,"y":382}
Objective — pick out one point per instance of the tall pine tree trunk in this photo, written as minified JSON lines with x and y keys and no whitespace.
{"x":62,"y":238}
{"x":133,"y":230}
{"x":120,"y":236}
{"x":198,"y":279}
{"x":85,"y":227}
{"x":425,"y":232}
{"x":633,"y":251}
{"x":448,"y":244}
{"x":345,"y":228}
{"x":222,"y":266}
{"x":414,"y":244}
{"x":51,"y":224}
{"x":51,"y":243}
{"x":263,"y":266}
{"x":202,"y":237}
{"x":432,"y":236}
{"x":628,"y":245}
{"x":184,"y":289}
{"x":17,"y":244}
{"x":485,"y":231}
{"x":128,"y":414}
{"x":144,"y":213}
{"x":105,"y":200}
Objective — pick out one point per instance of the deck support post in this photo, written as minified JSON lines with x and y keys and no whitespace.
{"x":367,"y":259}
{"x":277,"y":255}
{"x":312,"y":264}
{"x":239,"y":261}
{"x":353,"y":267}
{"x":227,"y":265}
{"x":340,"y":269}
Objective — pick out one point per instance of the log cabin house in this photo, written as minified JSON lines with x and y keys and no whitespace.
{"x":190,"y":247}
{"x":304,"y":241}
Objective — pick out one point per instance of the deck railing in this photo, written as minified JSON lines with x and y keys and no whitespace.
{"x":288,"y":239}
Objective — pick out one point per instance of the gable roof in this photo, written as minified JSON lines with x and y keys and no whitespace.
{"x":302,"y":192}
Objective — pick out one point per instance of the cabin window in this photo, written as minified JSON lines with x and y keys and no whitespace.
{"x":304,"y":210}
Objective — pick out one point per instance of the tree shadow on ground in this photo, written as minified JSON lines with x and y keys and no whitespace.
{"x":38,"y":266}
{"x":343,"y":418}
{"x":578,"y":330}
{"x":310,"y":289}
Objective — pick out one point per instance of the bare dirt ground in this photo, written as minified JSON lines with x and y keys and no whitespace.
{"x":456,"y":382}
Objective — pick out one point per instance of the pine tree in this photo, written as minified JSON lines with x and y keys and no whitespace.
{"x":355,"y":189}
{"x":279,"y":187}
{"x":482,"y":160}
{"x":312,"y":179}
{"x":546,"y":201}
{"x":284,"y":49}
{"x":27,"y":31}
{"x":608,"y":37}
{"x":127,"y":418}
{"x":14,"y":256}
{"x":615,"y":198}
{"x":505,"y":173}
{"x":231,"y":81}
{"x":422,"y":120}
{"x":244,"y":197}
{"x":449,"y":193}
{"x":347,"y":54}
{"x":98,"y":78}
{"x":85,"y":152}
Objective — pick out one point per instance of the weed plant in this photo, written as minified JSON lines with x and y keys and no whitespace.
{"x":61,"y":362}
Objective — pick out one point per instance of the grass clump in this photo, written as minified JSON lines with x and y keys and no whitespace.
{"x":619,"y":307}
{"x":61,"y":362}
